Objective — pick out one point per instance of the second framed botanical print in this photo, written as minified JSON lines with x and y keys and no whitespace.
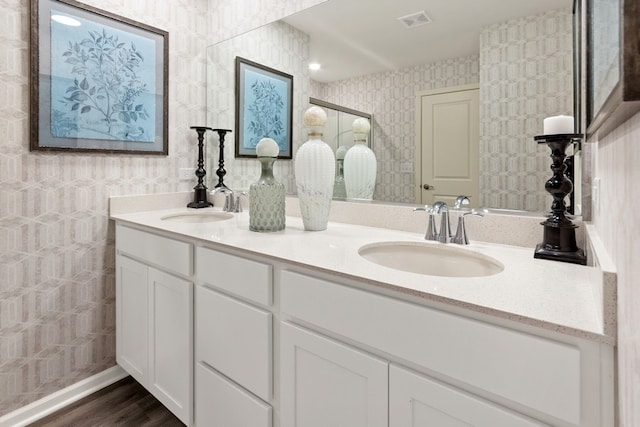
{"x":264,"y":108}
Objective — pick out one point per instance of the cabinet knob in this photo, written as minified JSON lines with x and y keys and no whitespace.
{"x":427,"y":187}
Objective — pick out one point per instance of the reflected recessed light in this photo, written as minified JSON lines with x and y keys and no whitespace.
{"x":314,"y":66}
{"x":65,"y":20}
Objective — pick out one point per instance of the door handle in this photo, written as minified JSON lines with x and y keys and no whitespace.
{"x":427,"y":187}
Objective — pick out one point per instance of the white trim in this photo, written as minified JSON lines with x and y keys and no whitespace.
{"x":55,"y":401}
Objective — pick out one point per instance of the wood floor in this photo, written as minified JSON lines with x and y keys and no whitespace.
{"x":125,"y":403}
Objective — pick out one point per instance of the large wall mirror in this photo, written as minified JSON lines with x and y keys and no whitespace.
{"x":517,"y":53}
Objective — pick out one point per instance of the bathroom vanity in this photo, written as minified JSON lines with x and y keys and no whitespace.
{"x":227,"y":327}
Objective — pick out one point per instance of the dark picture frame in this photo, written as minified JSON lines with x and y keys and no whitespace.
{"x":612,"y":66}
{"x":99,"y":81}
{"x":264,"y":108}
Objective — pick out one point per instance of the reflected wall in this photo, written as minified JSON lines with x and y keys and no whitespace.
{"x":524,"y":71}
{"x":278,"y":46}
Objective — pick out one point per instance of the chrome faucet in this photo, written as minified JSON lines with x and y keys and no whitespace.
{"x":460,"y":201}
{"x":444,"y":235}
{"x":231,"y":203}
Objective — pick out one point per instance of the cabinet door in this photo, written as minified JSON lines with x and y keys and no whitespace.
{"x":326,"y":383}
{"x":417,"y":401}
{"x":170,"y":342}
{"x":132,"y":318}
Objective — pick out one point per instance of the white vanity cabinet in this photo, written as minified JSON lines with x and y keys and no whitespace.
{"x":227,"y":338}
{"x":482,"y":374}
{"x":234,"y":336}
{"x":154,"y":316}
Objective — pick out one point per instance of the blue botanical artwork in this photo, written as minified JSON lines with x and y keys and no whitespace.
{"x":265,"y":110}
{"x":103,"y":83}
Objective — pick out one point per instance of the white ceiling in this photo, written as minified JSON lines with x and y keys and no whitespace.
{"x":356,"y":37}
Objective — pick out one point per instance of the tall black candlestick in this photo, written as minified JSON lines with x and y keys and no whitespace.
{"x":200,"y":196}
{"x":559,"y":239}
{"x":221,"y":172}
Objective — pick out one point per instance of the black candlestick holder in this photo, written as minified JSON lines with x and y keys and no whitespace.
{"x":200,"y":196}
{"x":559,"y":239}
{"x":221,"y":172}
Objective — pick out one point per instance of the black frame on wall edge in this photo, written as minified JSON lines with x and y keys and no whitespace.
{"x":623,"y":100}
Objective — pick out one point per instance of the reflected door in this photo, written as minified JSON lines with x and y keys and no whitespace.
{"x":449,"y":145}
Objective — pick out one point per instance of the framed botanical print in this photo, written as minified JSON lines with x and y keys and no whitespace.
{"x":98,"y":81}
{"x":264,"y":108}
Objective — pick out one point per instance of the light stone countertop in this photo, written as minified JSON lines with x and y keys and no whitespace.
{"x":551,"y":295}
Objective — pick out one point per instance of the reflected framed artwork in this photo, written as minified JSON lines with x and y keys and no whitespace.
{"x":99,"y":82}
{"x":612,"y":66}
{"x":264,"y":108}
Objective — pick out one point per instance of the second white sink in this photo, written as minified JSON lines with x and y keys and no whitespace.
{"x":431,"y":259}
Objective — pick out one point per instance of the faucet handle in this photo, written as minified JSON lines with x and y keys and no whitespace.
{"x":425,"y":208}
{"x":228,"y":198}
{"x":238,"y":203}
{"x":432,"y":231}
{"x":461,"y":232}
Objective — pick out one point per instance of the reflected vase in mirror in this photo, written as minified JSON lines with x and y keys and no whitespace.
{"x":339,"y":189}
{"x":315,"y":169}
{"x":360,"y":166}
{"x":267,"y":207}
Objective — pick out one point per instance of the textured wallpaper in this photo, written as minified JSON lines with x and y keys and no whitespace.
{"x":390,"y":97}
{"x":616,"y":218}
{"x":56,"y":243}
{"x":525,"y":75}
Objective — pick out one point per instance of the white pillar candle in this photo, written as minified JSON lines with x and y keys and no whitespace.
{"x":558,"y":125}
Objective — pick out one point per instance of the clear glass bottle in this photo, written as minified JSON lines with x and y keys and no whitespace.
{"x":266,"y":196}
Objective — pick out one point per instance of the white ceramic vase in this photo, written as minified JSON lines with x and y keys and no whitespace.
{"x":315,"y":168}
{"x":360,"y":165}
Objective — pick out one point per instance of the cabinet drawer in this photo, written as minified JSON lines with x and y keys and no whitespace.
{"x":221,"y":403}
{"x":235,"y":339}
{"x":169,"y":254}
{"x":248,"y":279}
{"x":539,"y":373}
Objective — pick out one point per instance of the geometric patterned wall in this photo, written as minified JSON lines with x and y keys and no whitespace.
{"x":56,"y":244}
{"x":615,"y":217}
{"x":526,"y":74}
{"x":390,"y":97}
{"x":57,"y":267}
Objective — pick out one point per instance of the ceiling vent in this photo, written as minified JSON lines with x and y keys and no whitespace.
{"x":415,"y":19}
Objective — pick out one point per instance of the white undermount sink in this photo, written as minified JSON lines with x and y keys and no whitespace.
{"x":198,"y":217}
{"x":431,"y":259}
